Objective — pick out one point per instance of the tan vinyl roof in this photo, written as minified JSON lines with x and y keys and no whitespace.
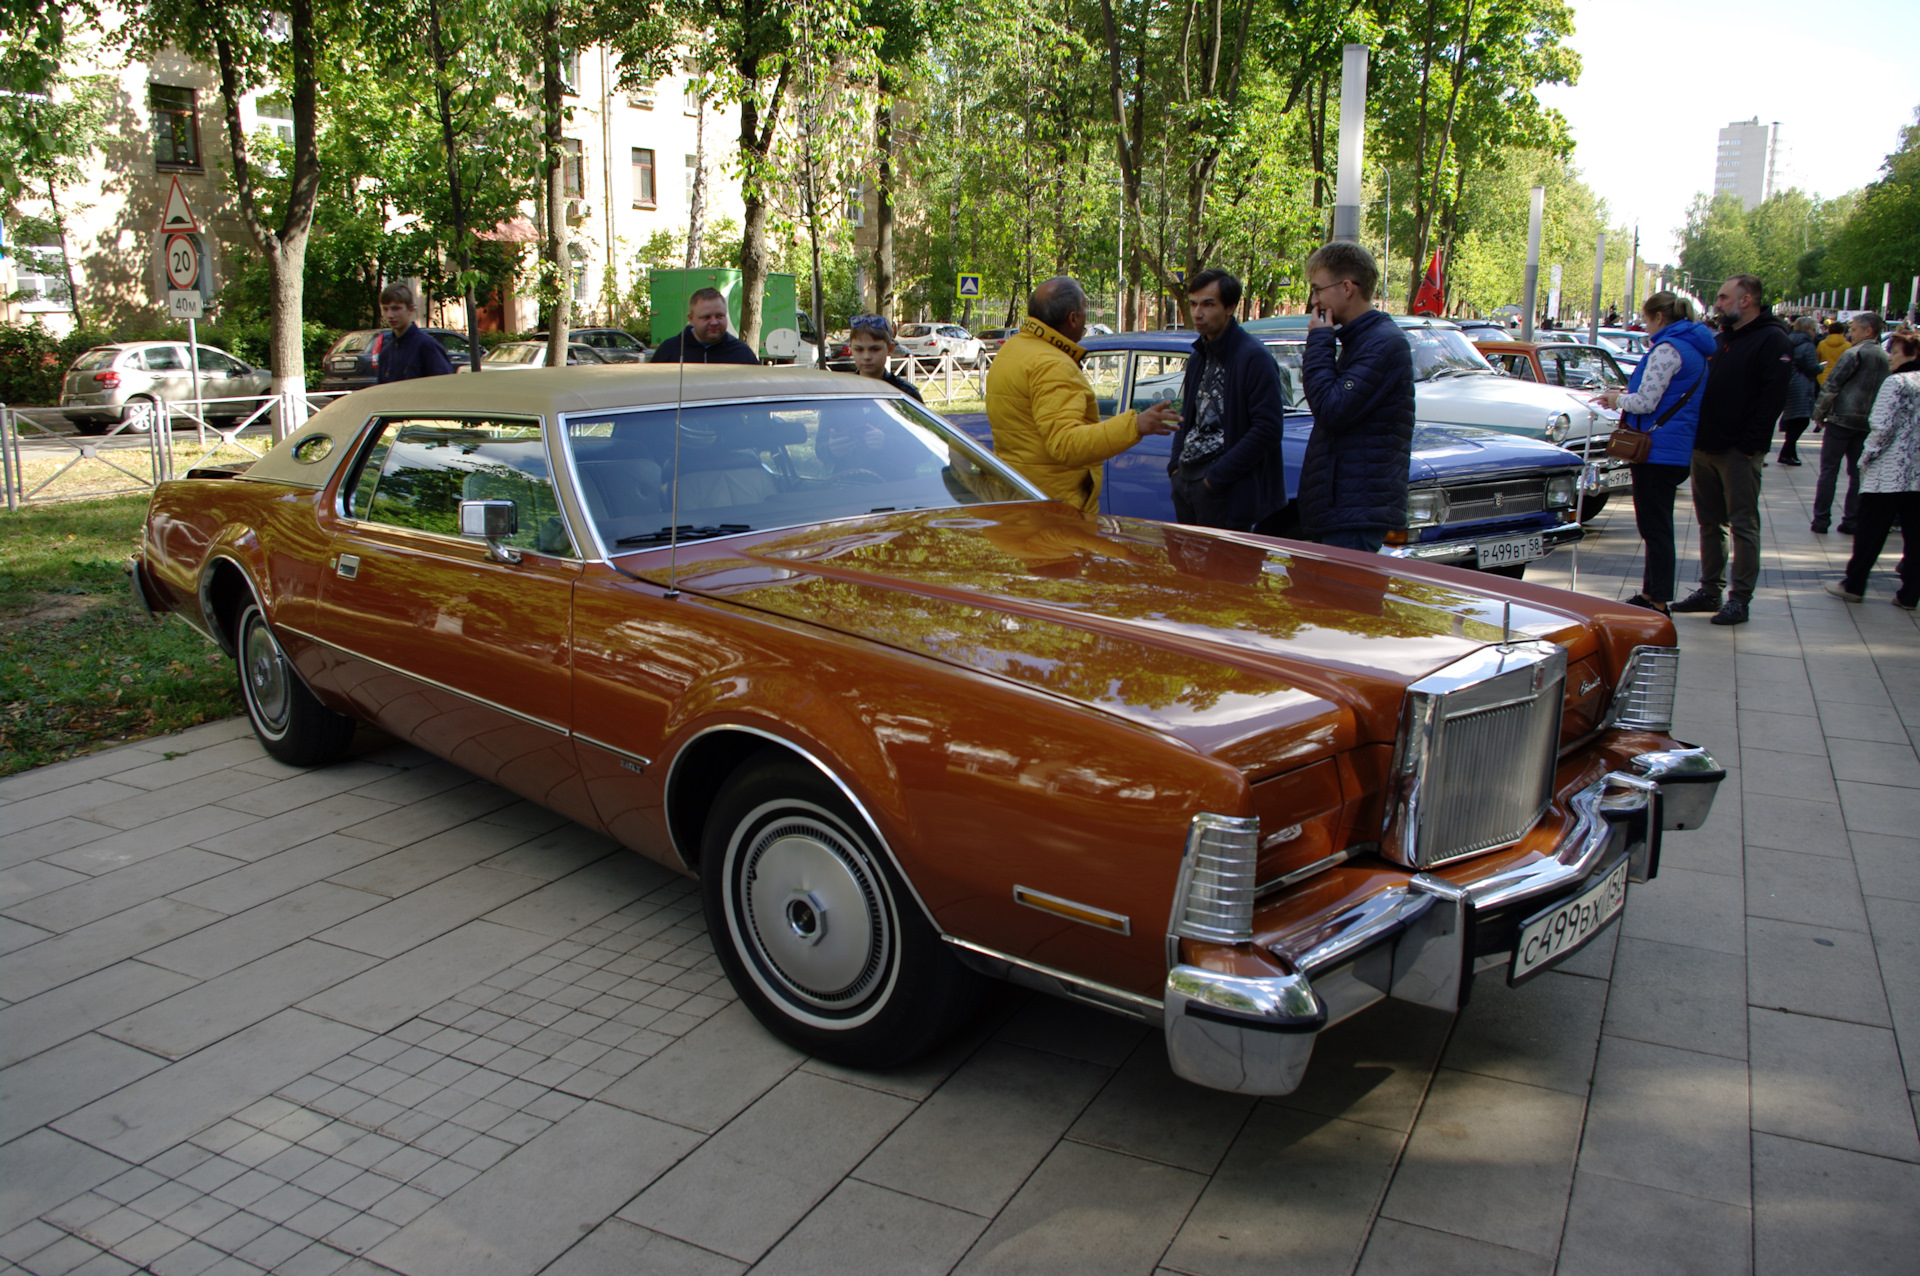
{"x":547,"y":392}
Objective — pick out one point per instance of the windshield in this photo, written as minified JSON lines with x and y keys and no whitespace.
{"x":751,"y":466}
{"x":1444,"y":352}
{"x":517,"y":352}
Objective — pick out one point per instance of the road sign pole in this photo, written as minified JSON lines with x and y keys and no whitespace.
{"x":193,"y":362}
{"x":1537,"y":207}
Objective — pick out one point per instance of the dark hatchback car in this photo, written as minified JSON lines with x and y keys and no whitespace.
{"x":349,"y":363}
{"x":613,"y":345}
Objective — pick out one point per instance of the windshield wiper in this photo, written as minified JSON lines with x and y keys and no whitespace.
{"x":684,"y":532}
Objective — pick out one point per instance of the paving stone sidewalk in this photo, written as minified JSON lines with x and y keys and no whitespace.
{"x":383,"y":1017}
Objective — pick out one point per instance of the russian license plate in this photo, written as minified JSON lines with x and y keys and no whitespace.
{"x":1550,"y":937}
{"x":1512,"y":549}
{"x":1620,"y":476}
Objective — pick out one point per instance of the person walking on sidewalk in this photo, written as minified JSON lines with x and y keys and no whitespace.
{"x":1890,"y":480}
{"x":405,"y":351}
{"x":1225,"y":466}
{"x":1746,"y":388}
{"x":1831,"y":347}
{"x":1663,"y":397}
{"x":1845,"y":403}
{"x":1801,"y":388}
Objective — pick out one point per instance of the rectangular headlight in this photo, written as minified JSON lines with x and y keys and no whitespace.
{"x":1561,"y":491}
{"x":1214,"y":898}
{"x":1426,"y":507}
{"x":1644,"y":698}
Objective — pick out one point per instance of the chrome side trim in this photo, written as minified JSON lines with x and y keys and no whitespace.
{"x":625,"y":756}
{"x":673,"y":770}
{"x":437,"y":685}
{"x":1031,"y":974}
{"x":1688,"y":779}
{"x":1313,"y":870}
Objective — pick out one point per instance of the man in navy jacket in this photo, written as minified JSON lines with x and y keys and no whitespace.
{"x":1226,"y":464}
{"x":705,"y":338}
{"x":1358,"y":374}
{"x":404,"y":351}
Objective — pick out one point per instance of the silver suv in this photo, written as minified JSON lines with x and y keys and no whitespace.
{"x":123,"y":385}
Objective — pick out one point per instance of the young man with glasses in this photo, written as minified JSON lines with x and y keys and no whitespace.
{"x":1358,"y":375}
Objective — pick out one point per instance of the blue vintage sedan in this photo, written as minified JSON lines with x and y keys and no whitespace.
{"x":1478,"y":498}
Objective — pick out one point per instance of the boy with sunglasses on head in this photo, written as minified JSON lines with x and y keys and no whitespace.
{"x":870,"y":343}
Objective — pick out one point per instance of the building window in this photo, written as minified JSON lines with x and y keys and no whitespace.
{"x":276,"y":117}
{"x":643,"y":177}
{"x":570,"y":70}
{"x":693,"y":174}
{"x":693,"y":97}
{"x":40,"y":275}
{"x":579,"y":282}
{"x":857,"y":204}
{"x":176,"y":126}
{"x":573,"y":169}
{"x":641,"y":99}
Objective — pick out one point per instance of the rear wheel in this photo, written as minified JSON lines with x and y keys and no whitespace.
{"x":139,"y":416}
{"x":292,"y":725}
{"x":816,"y":931}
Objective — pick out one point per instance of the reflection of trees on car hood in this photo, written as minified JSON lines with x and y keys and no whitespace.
{"x":1140,"y":619}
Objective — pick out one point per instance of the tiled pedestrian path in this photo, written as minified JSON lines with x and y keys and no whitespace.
{"x":383,"y":1017}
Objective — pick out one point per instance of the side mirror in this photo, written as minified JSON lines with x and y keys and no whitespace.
{"x":493,"y":522}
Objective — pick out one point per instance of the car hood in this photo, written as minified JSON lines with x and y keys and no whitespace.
{"x":1504,"y":403}
{"x":1458,"y":453}
{"x":1265,"y":653}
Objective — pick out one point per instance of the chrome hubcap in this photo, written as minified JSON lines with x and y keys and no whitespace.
{"x":265,"y":672}
{"x":813,"y":914}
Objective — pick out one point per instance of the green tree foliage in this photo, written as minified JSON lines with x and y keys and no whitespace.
{"x":1880,"y":242}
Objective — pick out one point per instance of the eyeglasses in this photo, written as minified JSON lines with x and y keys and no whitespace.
{"x":1317,"y":288}
{"x":872,"y":323}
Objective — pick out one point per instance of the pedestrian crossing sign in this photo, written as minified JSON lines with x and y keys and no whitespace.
{"x":1179,"y":276}
{"x":967,"y":286}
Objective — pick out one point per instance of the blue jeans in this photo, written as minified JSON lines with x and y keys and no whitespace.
{"x":1365,"y":542}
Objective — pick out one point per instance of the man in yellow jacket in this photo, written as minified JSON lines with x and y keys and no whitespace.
{"x":1045,"y":420}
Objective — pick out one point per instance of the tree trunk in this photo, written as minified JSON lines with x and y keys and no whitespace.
{"x":756,"y":162}
{"x":553,"y":88}
{"x":456,"y":194}
{"x":883,"y":201}
{"x":66,"y":258}
{"x":697,"y":200}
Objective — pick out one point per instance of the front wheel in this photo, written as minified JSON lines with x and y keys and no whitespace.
{"x":1591,"y":507}
{"x":816,"y":931}
{"x":292,"y":725}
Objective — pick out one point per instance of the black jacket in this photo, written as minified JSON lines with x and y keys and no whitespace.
{"x":1746,"y":386}
{"x":414,"y":353}
{"x":1354,"y":477}
{"x":729,"y":349}
{"x":1250,"y":469}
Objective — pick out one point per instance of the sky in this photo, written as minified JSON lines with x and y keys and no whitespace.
{"x":1659,"y":80}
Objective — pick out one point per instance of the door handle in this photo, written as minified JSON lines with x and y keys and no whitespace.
{"x":348,"y":566}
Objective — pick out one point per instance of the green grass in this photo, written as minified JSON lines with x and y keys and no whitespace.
{"x":80,"y":666}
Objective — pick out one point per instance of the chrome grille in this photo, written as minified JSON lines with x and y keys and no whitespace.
{"x":1495,"y":500}
{"x":1473,"y":768}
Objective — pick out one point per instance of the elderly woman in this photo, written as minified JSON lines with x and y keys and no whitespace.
{"x":1803,"y":383}
{"x":1663,"y":397}
{"x":1890,"y":479}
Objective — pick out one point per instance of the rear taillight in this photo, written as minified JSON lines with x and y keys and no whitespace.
{"x":107,"y":379}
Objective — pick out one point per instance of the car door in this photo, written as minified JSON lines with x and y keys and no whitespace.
{"x":433,"y":636}
{"x":221,"y":377}
{"x":168,"y":374}
{"x":1137,"y":485}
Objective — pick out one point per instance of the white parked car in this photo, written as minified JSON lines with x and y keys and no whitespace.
{"x":929,"y":342}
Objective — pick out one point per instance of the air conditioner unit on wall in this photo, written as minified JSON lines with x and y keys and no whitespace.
{"x":641,"y":99}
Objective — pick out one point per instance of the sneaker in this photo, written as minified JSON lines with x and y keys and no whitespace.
{"x":1641,"y":600}
{"x":1734,"y":613}
{"x":1699,"y":600}
{"x":1819,"y":529}
{"x":1839,"y":590}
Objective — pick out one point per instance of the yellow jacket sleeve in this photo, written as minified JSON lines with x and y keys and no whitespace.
{"x":1064,"y":410}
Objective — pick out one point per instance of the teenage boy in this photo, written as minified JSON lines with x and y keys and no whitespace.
{"x":404,"y":352}
{"x":870,"y":343}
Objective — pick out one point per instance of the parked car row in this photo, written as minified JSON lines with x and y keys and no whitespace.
{"x":123,"y":386}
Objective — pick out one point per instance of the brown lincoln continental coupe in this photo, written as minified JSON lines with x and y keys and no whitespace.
{"x":911,"y":724}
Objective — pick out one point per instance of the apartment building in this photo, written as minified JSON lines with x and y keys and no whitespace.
{"x":1744,"y":164}
{"x":630,"y":171}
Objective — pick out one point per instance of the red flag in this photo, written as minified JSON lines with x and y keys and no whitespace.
{"x":1429,"y":301}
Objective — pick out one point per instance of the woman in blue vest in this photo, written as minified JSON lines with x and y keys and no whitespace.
{"x":1663,"y":398}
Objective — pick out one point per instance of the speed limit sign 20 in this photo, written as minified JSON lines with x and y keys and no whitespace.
{"x":183,"y":261}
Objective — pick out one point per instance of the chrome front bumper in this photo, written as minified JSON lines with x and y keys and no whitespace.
{"x":1467,"y":552}
{"x":1417,"y":943}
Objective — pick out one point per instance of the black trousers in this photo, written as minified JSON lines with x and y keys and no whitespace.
{"x":1841,"y":446}
{"x":1795,"y":426}
{"x":1653,"y":489}
{"x":1197,"y":505}
{"x":1879,"y":511}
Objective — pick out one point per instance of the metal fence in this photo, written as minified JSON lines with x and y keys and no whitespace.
{"x":44,"y":457}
